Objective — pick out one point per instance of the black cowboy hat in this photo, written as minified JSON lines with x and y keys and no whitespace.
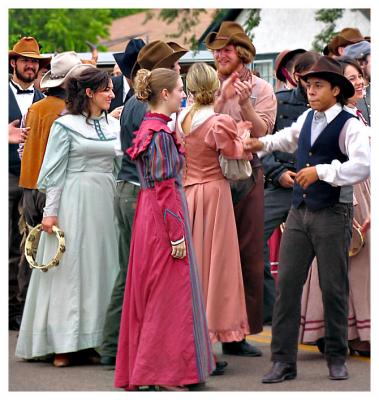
{"x":331,"y":70}
{"x":127,"y":59}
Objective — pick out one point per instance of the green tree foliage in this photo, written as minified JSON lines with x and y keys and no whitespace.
{"x":329,"y":17}
{"x":187,"y":18}
{"x":253,"y":20}
{"x":63,"y":29}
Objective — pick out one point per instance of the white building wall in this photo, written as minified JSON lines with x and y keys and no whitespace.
{"x":281,"y":29}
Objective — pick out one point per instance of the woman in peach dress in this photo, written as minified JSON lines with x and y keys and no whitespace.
{"x":206,"y":135}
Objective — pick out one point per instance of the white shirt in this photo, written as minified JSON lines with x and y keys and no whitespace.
{"x":125,"y":88}
{"x":24,"y":100}
{"x":353,"y":141}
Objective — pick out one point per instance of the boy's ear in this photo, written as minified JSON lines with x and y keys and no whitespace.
{"x":336,"y":91}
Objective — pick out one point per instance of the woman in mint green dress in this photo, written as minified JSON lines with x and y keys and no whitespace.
{"x":66,"y":306}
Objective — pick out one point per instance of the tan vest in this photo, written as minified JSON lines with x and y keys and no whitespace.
{"x":40,"y":117}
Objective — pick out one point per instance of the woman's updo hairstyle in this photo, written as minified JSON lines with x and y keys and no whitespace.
{"x":77,"y":99}
{"x":148,"y":85}
{"x":202,"y":81}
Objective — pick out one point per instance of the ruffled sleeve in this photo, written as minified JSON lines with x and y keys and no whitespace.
{"x":164,"y":166}
{"x":226,"y":137}
{"x":53,"y":170}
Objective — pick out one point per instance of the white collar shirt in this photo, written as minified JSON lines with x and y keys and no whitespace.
{"x":353,"y":142}
{"x":24,"y":100}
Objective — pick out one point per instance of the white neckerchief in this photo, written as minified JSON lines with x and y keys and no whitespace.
{"x":202,"y":114}
{"x":125,"y":88}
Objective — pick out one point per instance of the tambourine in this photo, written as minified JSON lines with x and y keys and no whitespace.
{"x":357,"y":242}
{"x":31,"y":245}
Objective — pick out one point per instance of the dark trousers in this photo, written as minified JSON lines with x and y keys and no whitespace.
{"x":325,"y":234}
{"x":125,"y":207}
{"x":14,"y":242}
{"x":277,"y":202}
{"x":248,"y":212}
{"x":33,"y":203}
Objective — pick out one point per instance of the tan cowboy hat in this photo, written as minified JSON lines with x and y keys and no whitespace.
{"x":331,"y":70}
{"x":28,"y":47}
{"x":344,"y":38}
{"x":158,"y":54}
{"x":229,"y":33}
{"x":61,"y":65}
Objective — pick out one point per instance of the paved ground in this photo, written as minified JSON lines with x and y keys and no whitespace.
{"x":243,"y":373}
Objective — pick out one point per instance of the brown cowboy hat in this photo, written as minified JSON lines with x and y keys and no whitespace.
{"x":344,"y":38}
{"x":229,"y":33}
{"x":282,"y":59}
{"x":158,"y":54}
{"x":331,"y":70}
{"x":28,"y":47}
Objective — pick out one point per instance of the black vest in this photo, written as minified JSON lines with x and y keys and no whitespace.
{"x":13,"y":114}
{"x":324,"y":150}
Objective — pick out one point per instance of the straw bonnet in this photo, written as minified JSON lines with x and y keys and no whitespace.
{"x":344,"y":38}
{"x":31,"y":248}
{"x":62,"y":65}
{"x":282,"y":60}
{"x":229,"y":33}
{"x":127,"y":59}
{"x":331,"y":70}
{"x":28,"y":47}
{"x":158,"y":54}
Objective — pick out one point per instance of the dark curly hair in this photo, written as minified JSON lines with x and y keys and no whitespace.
{"x":77,"y":100}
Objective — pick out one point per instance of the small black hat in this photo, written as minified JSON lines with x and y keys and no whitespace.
{"x":127,"y":59}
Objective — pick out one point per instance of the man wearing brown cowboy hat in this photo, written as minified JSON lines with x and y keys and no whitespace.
{"x":25,"y":60}
{"x":154,"y":55}
{"x":39,"y":118}
{"x":333,"y":153}
{"x":245,"y":97}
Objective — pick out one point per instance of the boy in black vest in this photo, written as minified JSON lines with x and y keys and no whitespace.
{"x":333,"y":153}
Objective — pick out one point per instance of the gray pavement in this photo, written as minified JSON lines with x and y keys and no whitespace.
{"x":242,"y":373}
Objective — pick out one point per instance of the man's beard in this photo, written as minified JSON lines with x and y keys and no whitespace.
{"x":25,"y":78}
{"x":227,"y":69}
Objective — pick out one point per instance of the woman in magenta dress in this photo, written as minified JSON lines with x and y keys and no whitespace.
{"x":163,"y":339}
{"x":206,"y":135}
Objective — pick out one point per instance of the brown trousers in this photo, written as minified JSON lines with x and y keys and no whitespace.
{"x":249,"y":214}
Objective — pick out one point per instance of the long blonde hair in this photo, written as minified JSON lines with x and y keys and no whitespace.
{"x":149,"y":84}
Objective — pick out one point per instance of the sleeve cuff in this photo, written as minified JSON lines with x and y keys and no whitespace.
{"x":174,"y":243}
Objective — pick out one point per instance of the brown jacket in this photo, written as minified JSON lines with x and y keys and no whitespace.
{"x":40,"y":117}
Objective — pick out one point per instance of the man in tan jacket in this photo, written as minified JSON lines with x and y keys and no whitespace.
{"x":39,"y":118}
{"x":245,"y":97}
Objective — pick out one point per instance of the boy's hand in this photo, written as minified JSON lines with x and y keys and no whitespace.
{"x":252,"y":144}
{"x":306,"y":177}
